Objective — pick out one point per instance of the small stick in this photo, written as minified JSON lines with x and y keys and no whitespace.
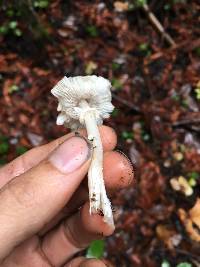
{"x":158,"y":25}
{"x":186,"y":122}
{"x":126,"y":103}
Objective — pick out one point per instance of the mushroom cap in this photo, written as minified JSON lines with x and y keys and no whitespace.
{"x":71,"y":91}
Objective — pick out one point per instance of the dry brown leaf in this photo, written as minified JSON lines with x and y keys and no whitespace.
{"x":90,"y":67}
{"x":182,"y":185}
{"x":168,"y":236}
{"x":195,"y":213}
{"x":191,"y":221}
{"x":121,"y":6}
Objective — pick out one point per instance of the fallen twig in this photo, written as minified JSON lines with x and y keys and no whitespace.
{"x":196,"y":263}
{"x":185,"y":46}
{"x":186,"y":122}
{"x":126,"y":103}
{"x":158,"y":25}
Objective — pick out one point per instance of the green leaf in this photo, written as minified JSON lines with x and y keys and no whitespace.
{"x":115,"y":112}
{"x":175,"y":97}
{"x":127,"y":135}
{"x":146,"y":136}
{"x":115,"y":66}
{"x":179,"y":1}
{"x":144,"y":47}
{"x":18,"y":32}
{"x":21,"y":150}
{"x":193,"y":175}
{"x":197,"y":91}
{"x":10,"y":12}
{"x":3,"y":138}
{"x":184,"y":264}
{"x":4,"y":147}
{"x":13,"y":25}
{"x":2,"y":161}
{"x":140,"y":3}
{"x":96,"y":249}
{"x":184,"y":103}
{"x":116,"y":84}
{"x":41,"y":3}
{"x":197,"y":51}
{"x":92,"y":30}
{"x":13,"y":88}
{"x":192,"y":182}
{"x":167,"y":7}
{"x":165,"y":264}
{"x":3,"y":30}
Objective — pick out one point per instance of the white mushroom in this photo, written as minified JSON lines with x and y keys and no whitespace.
{"x":84,"y":101}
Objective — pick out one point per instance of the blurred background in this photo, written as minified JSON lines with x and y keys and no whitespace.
{"x":150,"y":51}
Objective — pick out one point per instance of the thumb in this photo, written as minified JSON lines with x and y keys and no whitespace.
{"x":32,"y":199}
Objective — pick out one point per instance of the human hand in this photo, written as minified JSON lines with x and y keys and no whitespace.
{"x":44,"y":209}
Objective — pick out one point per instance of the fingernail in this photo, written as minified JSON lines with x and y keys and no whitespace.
{"x":71,"y":154}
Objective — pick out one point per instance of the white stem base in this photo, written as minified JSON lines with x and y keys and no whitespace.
{"x":97,"y":192}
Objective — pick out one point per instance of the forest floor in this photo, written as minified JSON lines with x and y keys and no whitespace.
{"x":156,"y":92}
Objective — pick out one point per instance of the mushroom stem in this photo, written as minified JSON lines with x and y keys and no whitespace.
{"x":97,"y":192}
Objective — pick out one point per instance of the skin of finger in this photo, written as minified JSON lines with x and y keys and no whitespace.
{"x":27,"y":254}
{"x":75,"y":262}
{"x":119,"y":161}
{"x":60,"y":244}
{"x":92,"y":263}
{"x":77,"y":200}
{"x":119,"y":177}
{"x":82,"y":262}
{"x":36,"y":155}
{"x":31,"y":258}
{"x":73,"y":235}
{"x":28,"y":203}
